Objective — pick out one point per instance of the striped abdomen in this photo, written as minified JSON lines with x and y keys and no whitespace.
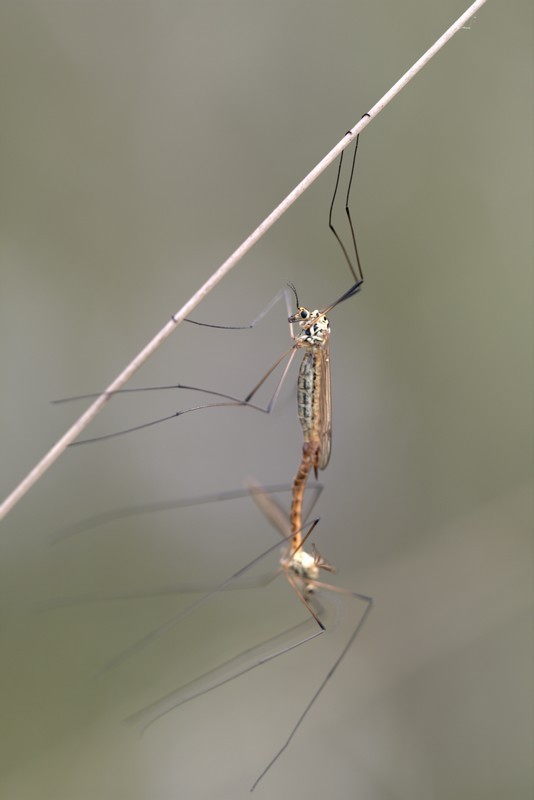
{"x":313,"y":401}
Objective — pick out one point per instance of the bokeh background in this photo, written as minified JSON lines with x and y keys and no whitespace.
{"x":141,"y":142}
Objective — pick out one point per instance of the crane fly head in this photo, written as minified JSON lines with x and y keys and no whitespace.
{"x":314,"y":325}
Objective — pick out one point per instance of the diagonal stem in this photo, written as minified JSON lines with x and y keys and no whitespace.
{"x":83,"y":421}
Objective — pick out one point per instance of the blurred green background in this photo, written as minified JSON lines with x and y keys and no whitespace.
{"x":141,"y":142}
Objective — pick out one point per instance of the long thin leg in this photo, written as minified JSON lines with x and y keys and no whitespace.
{"x":124,"y":431}
{"x":249,"y":325}
{"x":232,"y":401}
{"x":333,"y":668}
{"x":356,"y":269}
{"x":331,"y":211}
{"x":269,"y":372}
{"x":162,"y":387}
{"x":166,"y":626}
{"x":303,"y":600}
{"x":263,"y":313}
{"x":211,"y":680}
{"x":359,"y":273}
{"x":90,"y":598}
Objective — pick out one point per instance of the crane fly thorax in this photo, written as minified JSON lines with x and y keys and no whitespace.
{"x":315,"y":328}
{"x":304,"y":567}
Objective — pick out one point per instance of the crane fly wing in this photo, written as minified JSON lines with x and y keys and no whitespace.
{"x":272,"y":510}
{"x":252,"y":488}
{"x":326,"y":409}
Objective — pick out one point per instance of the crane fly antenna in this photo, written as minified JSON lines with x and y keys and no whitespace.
{"x":293,"y":289}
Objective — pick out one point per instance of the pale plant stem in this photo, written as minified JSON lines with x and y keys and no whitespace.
{"x":75,"y":430}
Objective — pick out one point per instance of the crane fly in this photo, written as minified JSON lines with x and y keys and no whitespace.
{"x":314,"y":398}
{"x":300,"y":567}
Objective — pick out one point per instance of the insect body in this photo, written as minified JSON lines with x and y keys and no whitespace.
{"x":313,"y":386}
{"x":314,"y":378}
{"x":302,"y":571}
{"x":313,"y":402}
{"x":300,"y":567}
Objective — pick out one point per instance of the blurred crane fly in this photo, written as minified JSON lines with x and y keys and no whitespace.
{"x":301,"y":569}
{"x":314,"y":394}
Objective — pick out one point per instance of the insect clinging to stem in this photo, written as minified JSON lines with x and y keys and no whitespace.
{"x":313,"y":338}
